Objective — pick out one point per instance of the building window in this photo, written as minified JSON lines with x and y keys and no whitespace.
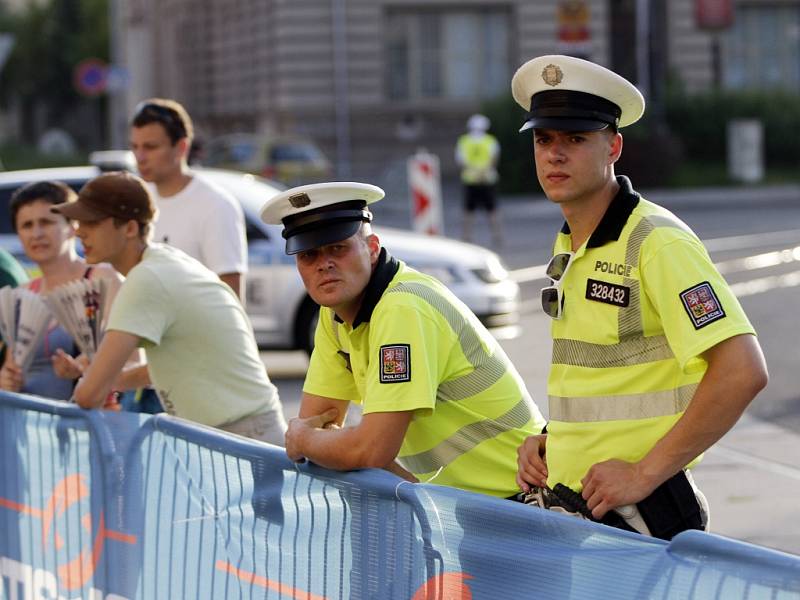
{"x":762,"y":49}
{"x":449,"y":54}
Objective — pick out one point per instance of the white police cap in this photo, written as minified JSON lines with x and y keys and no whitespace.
{"x":320,"y":213}
{"x":570,"y":94}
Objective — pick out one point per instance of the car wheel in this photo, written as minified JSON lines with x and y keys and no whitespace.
{"x":306,"y":325}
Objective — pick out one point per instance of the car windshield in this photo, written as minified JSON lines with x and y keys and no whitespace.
{"x":242,"y":151}
{"x":298,"y":152}
{"x":250,"y":190}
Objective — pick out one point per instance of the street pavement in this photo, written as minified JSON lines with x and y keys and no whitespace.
{"x":751,"y":476}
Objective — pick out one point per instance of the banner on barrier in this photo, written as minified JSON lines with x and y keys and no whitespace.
{"x":109,"y":506}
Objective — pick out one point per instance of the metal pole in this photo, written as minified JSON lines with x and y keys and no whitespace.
{"x":341,"y":100}
{"x":716,"y":60}
{"x":643,"y":47}
{"x":116,"y":95}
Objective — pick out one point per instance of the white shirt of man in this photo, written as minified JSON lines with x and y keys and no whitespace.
{"x":206,"y":222}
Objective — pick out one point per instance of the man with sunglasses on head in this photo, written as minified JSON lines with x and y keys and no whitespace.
{"x":653,"y":357}
{"x":436,"y":391}
{"x":195,"y":215}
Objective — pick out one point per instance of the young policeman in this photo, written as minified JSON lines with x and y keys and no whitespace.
{"x":437,"y":392}
{"x":653,"y":357}
{"x":201,"y":354}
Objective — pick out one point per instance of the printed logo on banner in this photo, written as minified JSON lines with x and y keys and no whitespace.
{"x":269,"y":584}
{"x":73,"y":490}
{"x":702,"y":305}
{"x":454,"y":584}
{"x":395,"y":363}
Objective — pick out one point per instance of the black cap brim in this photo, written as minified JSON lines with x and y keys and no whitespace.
{"x":563,"y":124}
{"x":334,"y":232}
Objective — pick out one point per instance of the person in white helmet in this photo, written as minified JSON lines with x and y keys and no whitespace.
{"x":477,"y":153}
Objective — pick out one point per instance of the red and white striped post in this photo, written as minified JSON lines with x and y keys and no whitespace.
{"x":424,"y":183}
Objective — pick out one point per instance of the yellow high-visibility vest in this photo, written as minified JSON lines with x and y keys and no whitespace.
{"x":416,"y":347}
{"x":477,"y":156}
{"x":642,"y":302}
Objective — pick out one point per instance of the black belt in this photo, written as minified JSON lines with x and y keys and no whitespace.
{"x":671,"y":508}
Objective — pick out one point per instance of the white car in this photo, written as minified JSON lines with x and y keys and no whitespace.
{"x":282,"y":314}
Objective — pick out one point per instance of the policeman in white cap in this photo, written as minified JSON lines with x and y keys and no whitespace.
{"x":653,"y":357}
{"x":477,"y":153}
{"x":439,"y":397}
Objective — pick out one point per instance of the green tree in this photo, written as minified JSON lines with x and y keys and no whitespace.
{"x":516,"y":168}
{"x":51,"y":38}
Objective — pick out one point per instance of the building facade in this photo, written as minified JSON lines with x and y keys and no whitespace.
{"x":373,"y":80}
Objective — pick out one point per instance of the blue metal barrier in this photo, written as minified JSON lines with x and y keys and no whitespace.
{"x":114,"y":506}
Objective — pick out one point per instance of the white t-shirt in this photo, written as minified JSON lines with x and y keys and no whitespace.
{"x":201,"y":353}
{"x":206,"y":222}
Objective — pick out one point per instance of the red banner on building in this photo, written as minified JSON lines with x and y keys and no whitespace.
{"x":713,"y":14}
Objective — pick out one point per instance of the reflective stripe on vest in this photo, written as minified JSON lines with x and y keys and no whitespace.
{"x":628,"y":352}
{"x":630,"y":318}
{"x":487,"y":369}
{"x":623,"y":407}
{"x":466,"y":438}
{"x":632,"y":349}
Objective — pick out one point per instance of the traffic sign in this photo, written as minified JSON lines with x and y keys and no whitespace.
{"x":90,"y":77}
{"x":713,"y":14}
{"x":425,"y":185}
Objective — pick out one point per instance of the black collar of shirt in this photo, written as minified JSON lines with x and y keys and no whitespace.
{"x":382,"y":275}
{"x":617,"y":213}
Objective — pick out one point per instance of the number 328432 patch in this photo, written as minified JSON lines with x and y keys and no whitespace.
{"x":702,"y":305}
{"x":395,"y":363}
{"x":609,"y":293}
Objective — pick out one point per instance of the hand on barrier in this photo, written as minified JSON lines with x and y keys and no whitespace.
{"x":299,"y":428}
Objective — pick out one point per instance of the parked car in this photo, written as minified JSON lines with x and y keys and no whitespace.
{"x":289,"y":160}
{"x":282,"y":314}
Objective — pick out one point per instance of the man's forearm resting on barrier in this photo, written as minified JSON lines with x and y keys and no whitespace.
{"x":317,"y":435}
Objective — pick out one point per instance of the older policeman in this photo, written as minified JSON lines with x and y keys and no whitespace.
{"x":438,"y":394}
